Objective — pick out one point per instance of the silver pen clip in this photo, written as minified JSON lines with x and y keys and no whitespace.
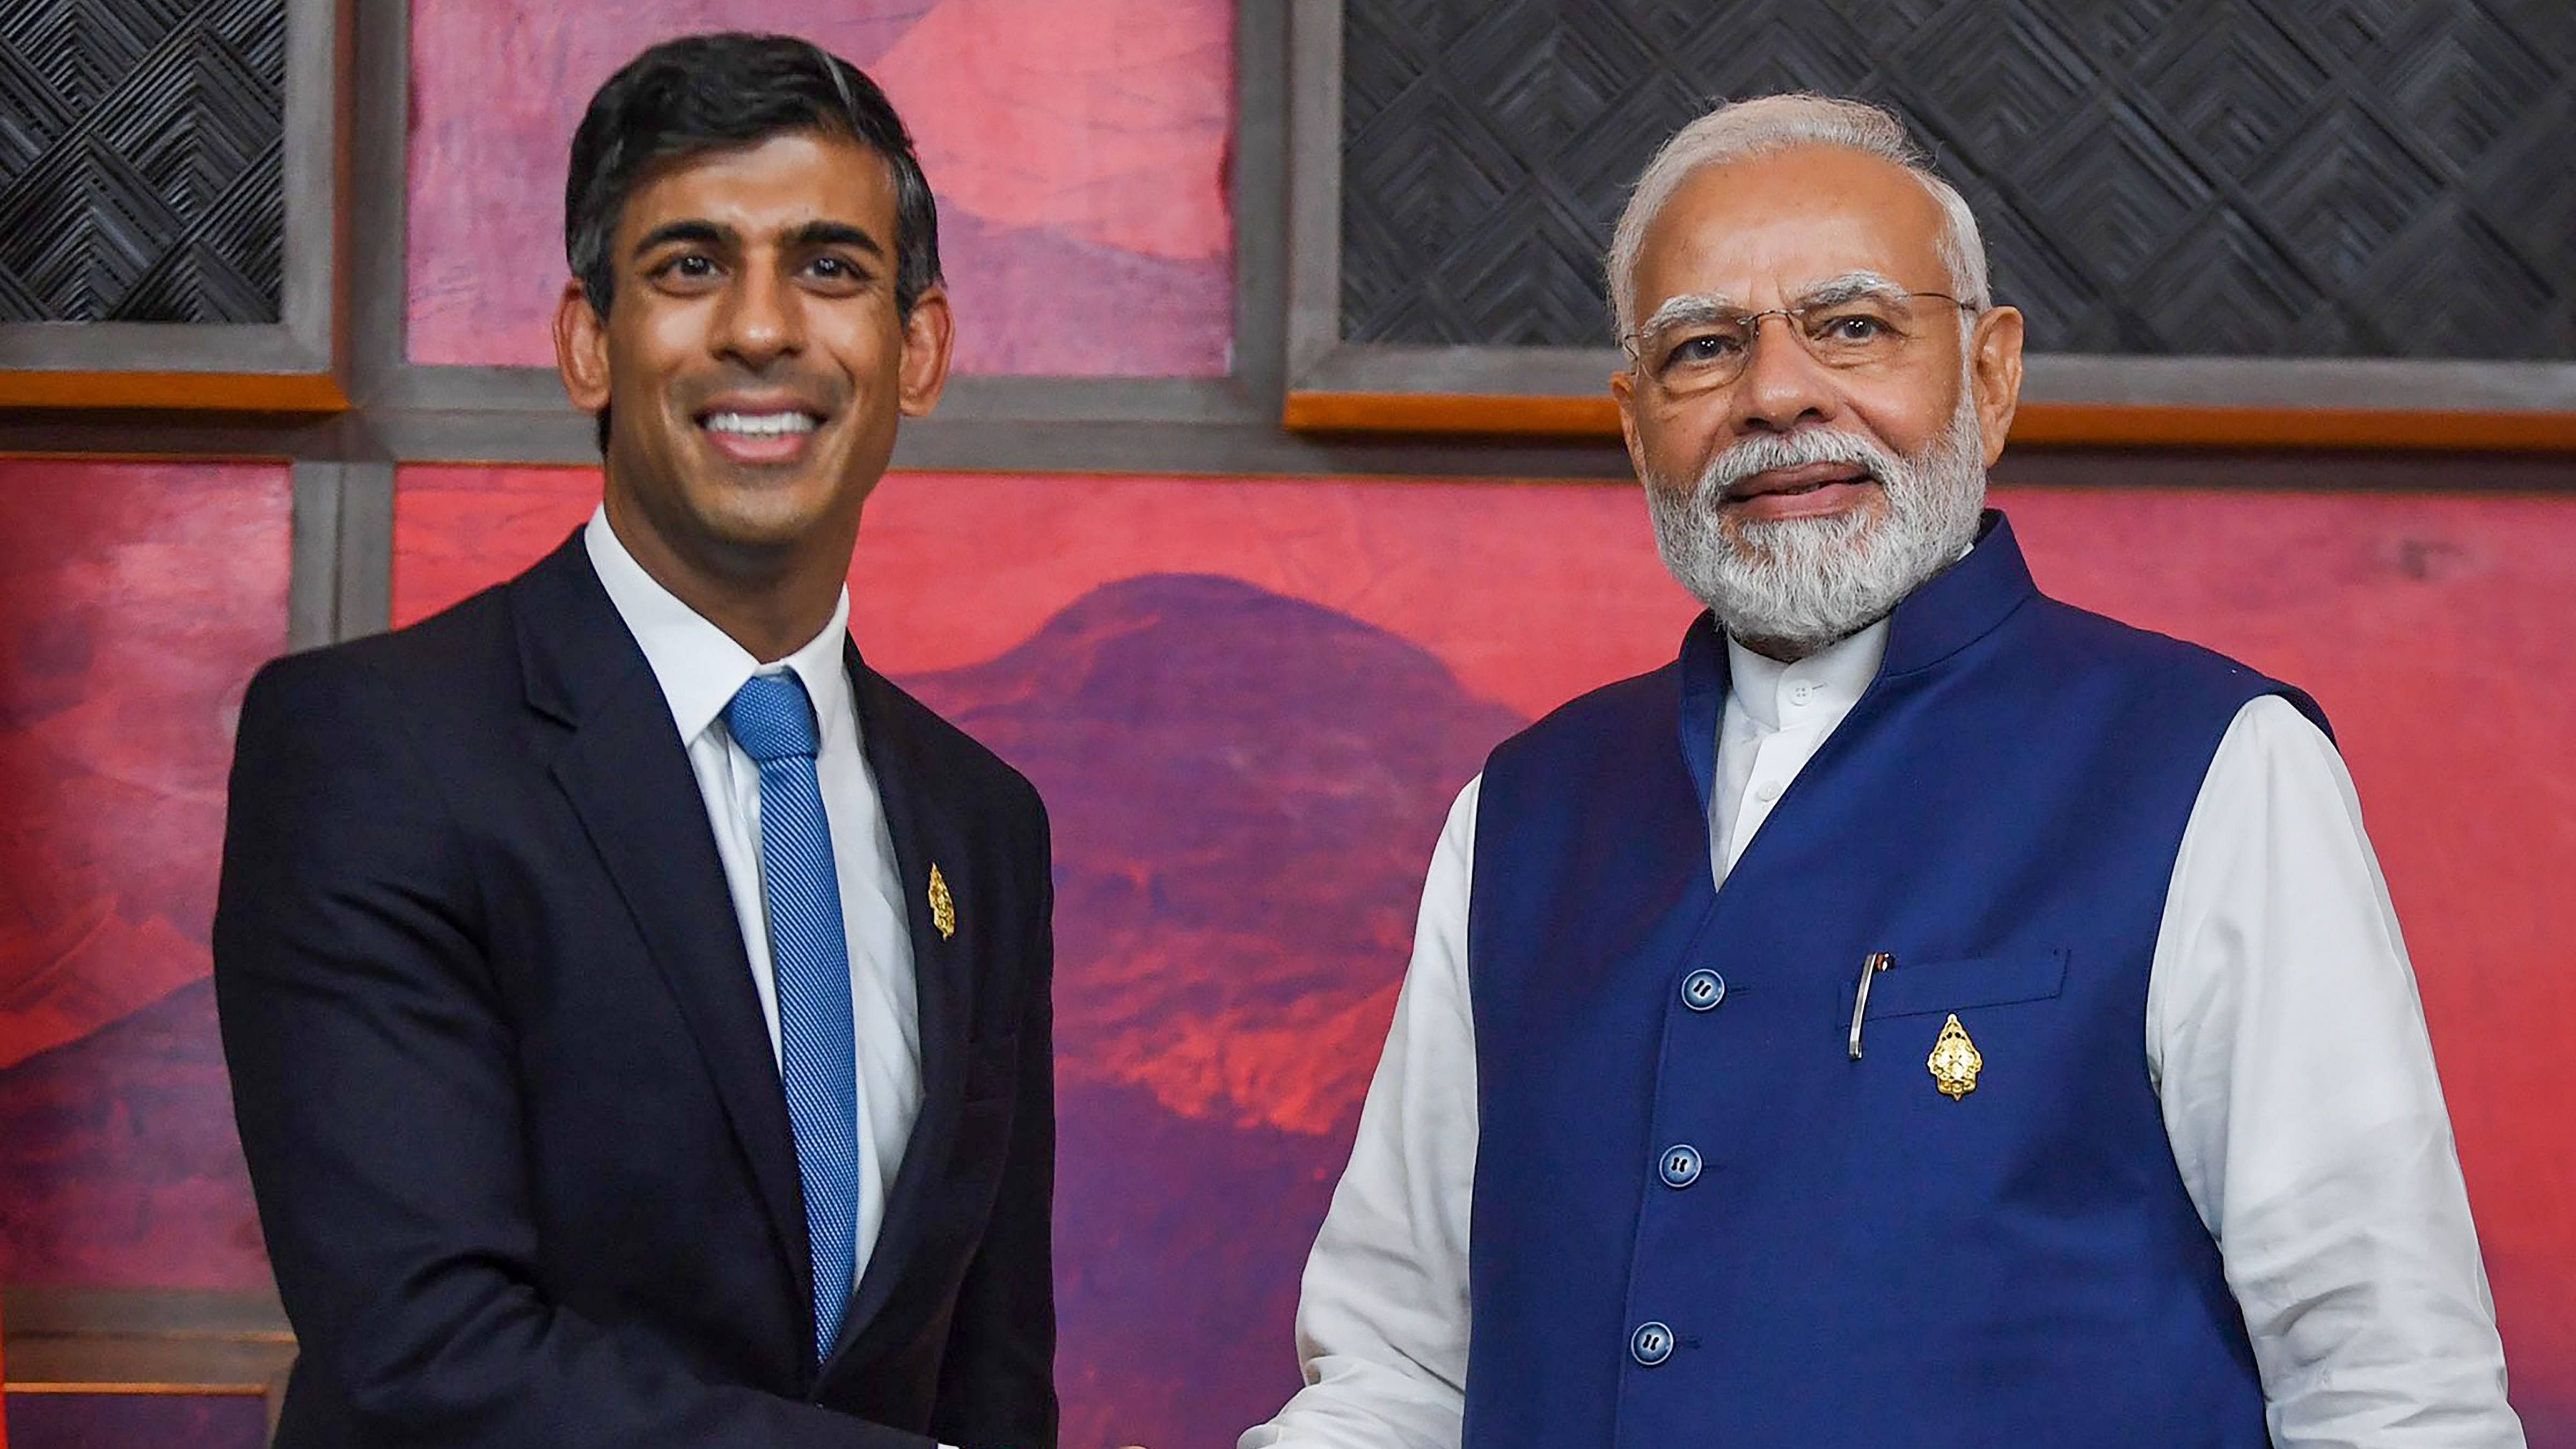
{"x":1876,"y":962}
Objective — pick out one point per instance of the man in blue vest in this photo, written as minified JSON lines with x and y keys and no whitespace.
{"x":1924,"y":1011}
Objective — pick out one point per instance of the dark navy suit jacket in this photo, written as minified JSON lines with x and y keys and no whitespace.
{"x":508,"y":1099}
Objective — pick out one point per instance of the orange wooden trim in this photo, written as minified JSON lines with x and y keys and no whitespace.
{"x":2038,"y":423}
{"x":187,"y":1391}
{"x":2384,"y":428}
{"x":237,"y":392}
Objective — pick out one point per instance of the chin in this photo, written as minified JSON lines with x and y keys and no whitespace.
{"x":777,"y":516}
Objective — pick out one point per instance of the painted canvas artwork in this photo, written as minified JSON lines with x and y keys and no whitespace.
{"x":134,"y":602}
{"x":1249,"y":703}
{"x":1078,"y":149}
{"x":112,"y":1421}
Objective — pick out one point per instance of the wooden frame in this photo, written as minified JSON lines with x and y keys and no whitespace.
{"x":149,"y":1341}
{"x":1338,"y":386}
{"x":291,"y":366}
{"x":454,"y":413}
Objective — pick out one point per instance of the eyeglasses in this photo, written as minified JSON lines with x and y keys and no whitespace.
{"x":1704,"y":347}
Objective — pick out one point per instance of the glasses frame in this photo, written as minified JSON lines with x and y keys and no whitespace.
{"x":1794,"y":316}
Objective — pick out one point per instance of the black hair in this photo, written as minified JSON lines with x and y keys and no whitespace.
{"x":714,"y":92}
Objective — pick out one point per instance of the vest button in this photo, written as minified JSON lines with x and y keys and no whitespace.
{"x":1651,"y":1344}
{"x":1703,"y":990}
{"x":1681,"y":1164}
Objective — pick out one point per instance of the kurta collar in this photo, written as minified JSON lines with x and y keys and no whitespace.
{"x":1957,"y":607}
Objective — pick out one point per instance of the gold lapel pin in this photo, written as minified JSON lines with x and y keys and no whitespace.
{"x":943,"y":907}
{"x":1955,"y":1061}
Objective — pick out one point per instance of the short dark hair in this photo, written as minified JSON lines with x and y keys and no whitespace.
{"x":715,"y":92}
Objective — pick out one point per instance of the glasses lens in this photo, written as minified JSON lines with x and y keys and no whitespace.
{"x":1700,"y":353}
{"x":1857,"y":331}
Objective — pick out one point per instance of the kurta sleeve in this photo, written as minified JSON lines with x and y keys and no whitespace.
{"x":1382,"y":1315}
{"x":2298,"y":1090}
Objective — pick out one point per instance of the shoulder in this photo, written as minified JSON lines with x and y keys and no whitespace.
{"x":1643,"y":703}
{"x":2155,"y":671}
{"x":461,"y":654}
{"x":971,"y":770}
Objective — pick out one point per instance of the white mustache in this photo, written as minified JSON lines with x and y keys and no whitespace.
{"x":1769,"y":451}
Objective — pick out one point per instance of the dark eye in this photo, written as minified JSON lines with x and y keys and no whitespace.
{"x":1854,"y":327}
{"x":687,"y":269}
{"x":1702,"y":350}
{"x":835,"y":274}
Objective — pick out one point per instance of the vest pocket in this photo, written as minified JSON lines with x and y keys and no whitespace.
{"x":1931,"y":988}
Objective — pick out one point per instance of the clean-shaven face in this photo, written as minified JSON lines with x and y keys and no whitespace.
{"x":754,"y":363}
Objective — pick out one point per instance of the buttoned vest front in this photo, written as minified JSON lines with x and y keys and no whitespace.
{"x":1697,"y":1220}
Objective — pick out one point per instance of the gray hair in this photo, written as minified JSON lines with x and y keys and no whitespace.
{"x":1764,"y":126}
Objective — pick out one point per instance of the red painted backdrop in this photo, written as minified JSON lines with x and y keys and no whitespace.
{"x":1248,"y":703}
{"x":1078,"y":149}
{"x":134,"y":603}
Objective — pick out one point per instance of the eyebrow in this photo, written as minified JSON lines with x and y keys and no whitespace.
{"x":712,"y":234}
{"x":1688,"y":308}
{"x":1694,"y":307}
{"x":835,"y":233}
{"x":1851,"y":286}
{"x":704,"y":233}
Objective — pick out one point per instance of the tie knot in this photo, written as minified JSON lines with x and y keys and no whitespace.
{"x":771,"y":718}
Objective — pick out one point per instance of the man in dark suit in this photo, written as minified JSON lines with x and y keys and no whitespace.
{"x":637,"y":1007}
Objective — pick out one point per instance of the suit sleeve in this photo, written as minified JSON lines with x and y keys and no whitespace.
{"x":997,"y":1379}
{"x":374,"y":1084}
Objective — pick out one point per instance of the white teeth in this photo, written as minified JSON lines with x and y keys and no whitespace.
{"x":761,"y":425}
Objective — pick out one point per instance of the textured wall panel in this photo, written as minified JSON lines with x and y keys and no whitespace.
{"x":1249,"y":704}
{"x":134,"y":603}
{"x":141,"y":177}
{"x":1077,"y":147}
{"x":2254,"y":177}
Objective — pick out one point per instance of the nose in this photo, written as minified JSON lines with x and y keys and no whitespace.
{"x":761,"y":319}
{"x":1783,"y":384}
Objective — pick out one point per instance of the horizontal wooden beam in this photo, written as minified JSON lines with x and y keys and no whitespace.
{"x":144,"y":1341}
{"x":2042,"y":424}
{"x":226,"y":392}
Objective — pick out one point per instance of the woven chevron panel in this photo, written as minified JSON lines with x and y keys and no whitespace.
{"x":141,"y":177}
{"x":2284,"y":178}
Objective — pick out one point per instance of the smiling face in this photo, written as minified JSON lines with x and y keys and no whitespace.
{"x":753,"y":363}
{"x":1806,"y":471}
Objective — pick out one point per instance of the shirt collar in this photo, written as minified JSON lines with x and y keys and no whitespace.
{"x":1822,"y":686}
{"x":698,"y":665}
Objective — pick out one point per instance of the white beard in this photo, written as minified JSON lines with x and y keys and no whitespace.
{"x":1805,"y":583}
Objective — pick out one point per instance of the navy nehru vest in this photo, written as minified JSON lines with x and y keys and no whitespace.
{"x":1698,"y":1221}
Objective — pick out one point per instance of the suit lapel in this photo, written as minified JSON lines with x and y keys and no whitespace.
{"x":627,"y":775}
{"x":925,"y":835}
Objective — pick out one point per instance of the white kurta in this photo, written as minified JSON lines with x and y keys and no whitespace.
{"x":2283,"y":1035}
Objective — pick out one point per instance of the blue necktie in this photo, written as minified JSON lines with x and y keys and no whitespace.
{"x":809,"y":955}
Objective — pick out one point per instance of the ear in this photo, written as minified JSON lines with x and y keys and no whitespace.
{"x":581,"y":349}
{"x":1623,"y":389}
{"x":928,"y":334}
{"x":1995,"y":374}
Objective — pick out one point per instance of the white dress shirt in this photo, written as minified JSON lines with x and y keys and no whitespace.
{"x":2283,"y":1037}
{"x":699,"y":667}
